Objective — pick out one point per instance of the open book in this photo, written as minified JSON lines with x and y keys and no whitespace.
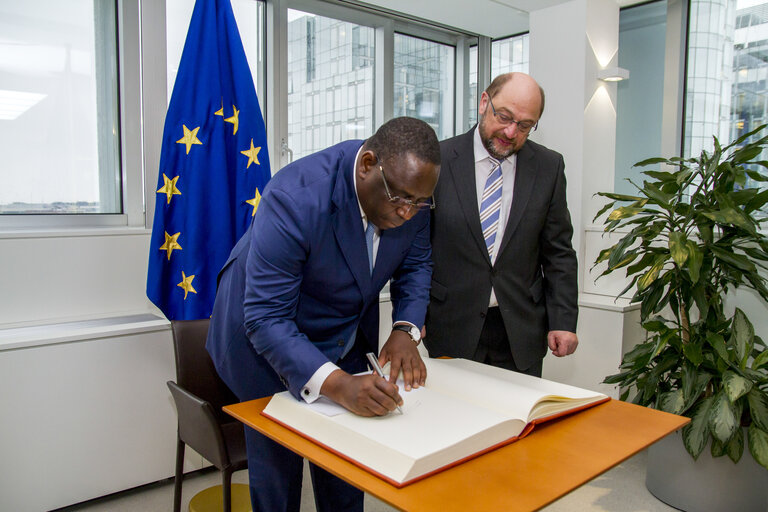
{"x":465,"y":409}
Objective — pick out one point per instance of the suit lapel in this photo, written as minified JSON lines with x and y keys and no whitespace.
{"x":525,"y":177}
{"x":462,"y":170}
{"x":348,"y":225}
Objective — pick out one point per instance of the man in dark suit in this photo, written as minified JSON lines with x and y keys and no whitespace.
{"x":297,"y":301}
{"x":504,"y":279}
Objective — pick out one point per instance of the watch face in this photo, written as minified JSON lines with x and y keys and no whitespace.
{"x":415,"y":334}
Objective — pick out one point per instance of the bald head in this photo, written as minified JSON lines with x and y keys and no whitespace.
{"x":522,"y":84}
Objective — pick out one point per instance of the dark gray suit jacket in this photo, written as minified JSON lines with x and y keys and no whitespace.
{"x":535,"y":274}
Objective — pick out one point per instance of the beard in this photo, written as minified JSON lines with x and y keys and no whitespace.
{"x":487,"y":139}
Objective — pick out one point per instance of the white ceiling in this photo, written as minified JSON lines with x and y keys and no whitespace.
{"x":493,"y":18}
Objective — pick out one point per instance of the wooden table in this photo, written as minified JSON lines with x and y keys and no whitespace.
{"x":556,"y":458}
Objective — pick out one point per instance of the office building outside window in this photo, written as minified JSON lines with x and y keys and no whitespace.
{"x":509,"y":54}
{"x":727,"y":72}
{"x":59,"y":131}
{"x":424,"y":82}
{"x":330,"y":82}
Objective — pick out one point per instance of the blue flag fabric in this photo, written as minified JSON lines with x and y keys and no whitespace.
{"x":213,"y":166}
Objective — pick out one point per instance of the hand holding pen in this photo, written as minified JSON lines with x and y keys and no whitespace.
{"x":377,"y":368}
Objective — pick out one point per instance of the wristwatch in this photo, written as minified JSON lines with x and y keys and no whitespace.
{"x":412,"y":331}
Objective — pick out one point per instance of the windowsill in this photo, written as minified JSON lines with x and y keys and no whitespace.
{"x":53,"y":333}
{"x":607,"y":303}
{"x":71,"y":232}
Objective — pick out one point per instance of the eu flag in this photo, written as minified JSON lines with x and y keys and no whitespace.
{"x":213,"y":166}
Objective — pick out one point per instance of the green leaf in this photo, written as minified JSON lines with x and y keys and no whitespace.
{"x":678,"y":247}
{"x":723,"y":418}
{"x":718,"y":343}
{"x":650,"y":276}
{"x":735,"y":447}
{"x":758,"y":445}
{"x":746,"y":154}
{"x":650,"y":161}
{"x":731,"y":217}
{"x":655,"y":193}
{"x":672,"y":401}
{"x":603,"y":255}
{"x":758,"y":407}
{"x":735,"y":385}
{"x":742,"y":337}
{"x":760,"y":360}
{"x":620,"y":197}
{"x":693,"y":353}
{"x":660,"y":176}
{"x":604,"y":209}
{"x":737,"y":260}
{"x":696,"y":433}
{"x":623,"y":212}
{"x":695,"y":259}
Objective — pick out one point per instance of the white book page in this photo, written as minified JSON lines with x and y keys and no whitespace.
{"x":431,"y":421}
{"x":505,"y":391}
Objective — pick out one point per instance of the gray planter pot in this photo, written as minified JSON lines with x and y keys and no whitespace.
{"x":706,"y":484}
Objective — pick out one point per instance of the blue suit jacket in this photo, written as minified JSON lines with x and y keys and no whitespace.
{"x":297,"y":285}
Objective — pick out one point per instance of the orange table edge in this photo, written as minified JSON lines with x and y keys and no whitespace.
{"x":556,"y":458}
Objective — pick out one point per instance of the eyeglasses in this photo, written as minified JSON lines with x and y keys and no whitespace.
{"x":405,"y":203}
{"x":506,"y":120}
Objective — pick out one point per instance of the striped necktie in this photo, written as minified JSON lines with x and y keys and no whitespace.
{"x":490,"y":206}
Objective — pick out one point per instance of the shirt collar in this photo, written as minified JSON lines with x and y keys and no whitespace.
{"x":354,"y":186}
{"x":481,"y":154}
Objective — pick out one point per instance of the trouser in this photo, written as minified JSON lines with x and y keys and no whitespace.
{"x":493,"y":347}
{"x":275,"y":473}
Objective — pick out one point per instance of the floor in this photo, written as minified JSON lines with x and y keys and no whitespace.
{"x":621,"y":489}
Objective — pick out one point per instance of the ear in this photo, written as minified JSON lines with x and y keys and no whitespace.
{"x":366,"y":164}
{"x":483,"y":103}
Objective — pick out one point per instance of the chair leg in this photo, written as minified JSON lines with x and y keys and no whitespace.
{"x":226,"y":489}
{"x":179,"y":476}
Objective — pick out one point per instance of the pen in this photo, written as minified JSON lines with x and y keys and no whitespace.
{"x":375,"y":364}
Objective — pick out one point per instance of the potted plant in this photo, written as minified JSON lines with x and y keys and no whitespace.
{"x":689,"y":236}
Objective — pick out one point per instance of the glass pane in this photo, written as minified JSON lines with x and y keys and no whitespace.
{"x":510,"y":54}
{"x":59,"y":132}
{"x":328,"y":58}
{"x":250,"y":17}
{"x":424,"y":86}
{"x":642,"y":33}
{"x":472,"y":114}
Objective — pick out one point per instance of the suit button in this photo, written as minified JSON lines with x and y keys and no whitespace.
{"x":340,"y":343}
{"x":482,"y":315}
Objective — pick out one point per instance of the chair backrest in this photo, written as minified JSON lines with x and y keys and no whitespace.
{"x":195,"y":371}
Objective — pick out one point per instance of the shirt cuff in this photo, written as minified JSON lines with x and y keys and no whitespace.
{"x":403,"y":322}
{"x":311,"y":390}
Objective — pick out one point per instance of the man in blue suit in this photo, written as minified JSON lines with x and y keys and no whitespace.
{"x":297,"y":301}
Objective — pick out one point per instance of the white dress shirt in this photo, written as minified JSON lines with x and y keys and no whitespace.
{"x":483,"y":167}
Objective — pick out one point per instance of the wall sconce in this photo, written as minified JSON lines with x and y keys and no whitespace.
{"x":613,"y":74}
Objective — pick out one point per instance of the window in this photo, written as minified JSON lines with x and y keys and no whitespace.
{"x":59,"y":129}
{"x":639,"y":110}
{"x":424,"y":82}
{"x":727,"y":66}
{"x":331,"y":75}
{"x":509,"y":54}
{"x":473,"y":94}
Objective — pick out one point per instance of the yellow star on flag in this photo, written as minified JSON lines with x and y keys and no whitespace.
{"x":220,"y":112}
{"x":254,"y":202}
{"x":171,"y":243}
{"x":186,"y":284}
{"x":169,"y":188}
{"x":234,"y":119}
{"x":252,"y":154}
{"x":189,"y":138}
